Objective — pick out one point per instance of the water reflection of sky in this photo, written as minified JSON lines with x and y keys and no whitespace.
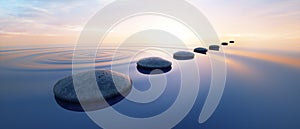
{"x":262,"y":89}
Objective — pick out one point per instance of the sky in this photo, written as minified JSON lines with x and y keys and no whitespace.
{"x":259,"y":22}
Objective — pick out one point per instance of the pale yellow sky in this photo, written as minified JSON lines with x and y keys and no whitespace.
{"x":256,"y":22}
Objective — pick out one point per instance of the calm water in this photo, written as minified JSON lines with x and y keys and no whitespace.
{"x":262,"y":89}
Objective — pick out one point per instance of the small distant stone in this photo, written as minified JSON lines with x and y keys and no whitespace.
{"x":224,"y":44}
{"x":231,"y":41}
{"x":152,"y":63}
{"x":200,"y":50}
{"x":112,"y":85}
{"x":214,"y":47}
{"x":183,"y":55}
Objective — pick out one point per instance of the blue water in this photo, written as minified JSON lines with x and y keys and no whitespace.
{"x":259,"y":95}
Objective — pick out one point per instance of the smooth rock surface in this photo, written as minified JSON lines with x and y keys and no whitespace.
{"x":200,"y":50}
{"x":113,"y":86}
{"x":152,"y":63}
{"x":183,"y":55}
{"x":214,"y":47}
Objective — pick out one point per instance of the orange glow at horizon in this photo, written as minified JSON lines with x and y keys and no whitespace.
{"x":256,"y":23}
{"x":285,"y":60}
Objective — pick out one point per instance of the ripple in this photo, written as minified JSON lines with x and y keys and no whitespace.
{"x":60,"y":58}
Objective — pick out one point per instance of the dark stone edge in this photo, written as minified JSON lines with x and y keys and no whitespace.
{"x":149,"y":70}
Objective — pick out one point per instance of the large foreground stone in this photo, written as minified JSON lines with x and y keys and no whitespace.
{"x":113,"y":86}
{"x":183,"y":55}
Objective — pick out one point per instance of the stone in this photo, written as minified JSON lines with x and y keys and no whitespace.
{"x":113,"y":86}
{"x":200,"y":50}
{"x":153,"y":71}
{"x":224,"y":43}
{"x":214,"y":47}
{"x":153,"y":63}
{"x":183,"y":55}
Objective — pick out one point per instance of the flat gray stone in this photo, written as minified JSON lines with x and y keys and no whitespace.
{"x":113,"y":86}
{"x":183,"y":55}
{"x":200,"y":50}
{"x":153,"y":63}
{"x":214,"y":47}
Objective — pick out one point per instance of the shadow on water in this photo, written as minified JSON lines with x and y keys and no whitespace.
{"x":76,"y":106}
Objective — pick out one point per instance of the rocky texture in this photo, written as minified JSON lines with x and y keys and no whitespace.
{"x":112,"y":85}
{"x":183,"y":55}
{"x":154,"y":63}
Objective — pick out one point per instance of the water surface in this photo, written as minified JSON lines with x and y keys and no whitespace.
{"x":262,"y":88}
